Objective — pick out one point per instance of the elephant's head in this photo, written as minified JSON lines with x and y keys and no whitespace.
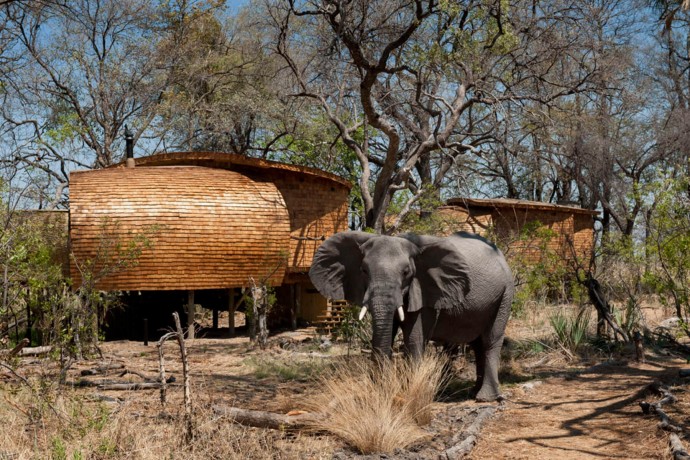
{"x":385,"y":275}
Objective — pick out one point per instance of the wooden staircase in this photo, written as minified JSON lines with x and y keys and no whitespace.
{"x":335,"y":312}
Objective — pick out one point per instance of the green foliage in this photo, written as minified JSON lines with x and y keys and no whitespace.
{"x":668,"y":245}
{"x":290,"y":370}
{"x":30,"y":263}
{"x":570,"y":330}
{"x":421,"y":219}
{"x":78,"y":316}
{"x":353,"y":331}
{"x":538,"y":269}
{"x":630,"y":317}
{"x":59,"y":450}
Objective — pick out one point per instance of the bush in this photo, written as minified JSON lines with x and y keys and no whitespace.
{"x":571,"y":330}
{"x":379,"y":407}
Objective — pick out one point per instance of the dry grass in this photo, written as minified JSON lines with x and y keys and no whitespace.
{"x":379,"y":407}
{"x":59,"y":423}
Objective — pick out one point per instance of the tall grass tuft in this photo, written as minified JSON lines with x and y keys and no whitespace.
{"x":378,"y":407}
{"x":570,"y":330}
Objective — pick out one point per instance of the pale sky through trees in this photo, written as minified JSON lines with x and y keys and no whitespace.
{"x":575,"y":101}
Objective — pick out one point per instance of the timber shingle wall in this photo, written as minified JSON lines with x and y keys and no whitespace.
{"x":222,"y":217}
{"x":215,"y":228}
{"x":572,"y":229}
{"x":318,"y":209}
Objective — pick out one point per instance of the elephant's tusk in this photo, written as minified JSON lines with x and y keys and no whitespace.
{"x":362,"y":312}
{"x":401,"y":314}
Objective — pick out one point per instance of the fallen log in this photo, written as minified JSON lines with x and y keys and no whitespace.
{"x":102,"y":369}
{"x":261,"y":419}
{"x":104,"y":398}
{"x":128,"y":386}
{"x":656,"y":408}
{"x":34,"y":351}
{"x":677,"y":449}
{"x":145,"y":378}
{"x":464,"y":442}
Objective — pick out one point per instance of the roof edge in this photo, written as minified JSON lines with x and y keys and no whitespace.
{"x":179,"y":158}
{"x":517,"y":204}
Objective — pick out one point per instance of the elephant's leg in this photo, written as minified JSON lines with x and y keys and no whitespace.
{"x":416,"y":329}
{"x":492,"y":341}
{"x":489,"y":390}
{"x":480,"y":360}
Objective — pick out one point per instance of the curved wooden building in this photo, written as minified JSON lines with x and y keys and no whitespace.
{"x":213,"y":221}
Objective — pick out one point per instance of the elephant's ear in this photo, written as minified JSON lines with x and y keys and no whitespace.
{"x":441,"y":277}
{"x":336,"y":268}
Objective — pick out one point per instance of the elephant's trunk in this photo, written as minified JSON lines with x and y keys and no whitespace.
{"x":382,"y":339}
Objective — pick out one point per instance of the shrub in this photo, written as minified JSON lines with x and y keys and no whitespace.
{"x":353,"y":331}
{"x":378,"y":407}
{"x":570,"y":330}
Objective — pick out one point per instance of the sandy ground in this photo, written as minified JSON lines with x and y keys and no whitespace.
{"x":593,"y":413}
{"x":555,"y":408}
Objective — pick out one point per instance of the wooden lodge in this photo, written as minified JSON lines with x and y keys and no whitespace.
{"x":525,"y":228}
{"x":207,"y":223}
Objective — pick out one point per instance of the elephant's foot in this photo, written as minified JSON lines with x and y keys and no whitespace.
{"x":486,"y":394}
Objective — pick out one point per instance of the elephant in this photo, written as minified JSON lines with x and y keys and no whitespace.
{"x":451,"y":290}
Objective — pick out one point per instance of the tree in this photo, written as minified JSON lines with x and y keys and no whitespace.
{"x":80,"y":72}
{"x":425,"y":82}
{"x":223,"y":95}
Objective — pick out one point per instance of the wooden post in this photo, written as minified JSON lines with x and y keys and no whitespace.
{"x":639,"y":347}
{"x":191,"y":313}
{"x":293,"y":308}
{"x":215,"y":319}
{"x":231,"y":312}
{"x":298,"y":301}
{"x":146,"y":332}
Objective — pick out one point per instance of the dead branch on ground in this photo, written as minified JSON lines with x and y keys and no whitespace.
{"x":145,"y":378}
{"x":128,"y":386}
{"x":464,"y":442}
{"x":33,"y":351}
{"x":262,"y":419}
{"x":103,"y":369}
{"x":677,"y":449}
{"x":656,"y":408}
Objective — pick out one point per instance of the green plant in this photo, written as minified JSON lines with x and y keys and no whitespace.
{"x":570,"y":330}
{"x":286,"y":370}
{"x":30,"y":270}
{"x":354,"y":332}
{"x":667,"y":246}
{"x":77,"y":322}
{"x":59,"y":451}
{"x":630,"y":317}
{"x":538,"y":268}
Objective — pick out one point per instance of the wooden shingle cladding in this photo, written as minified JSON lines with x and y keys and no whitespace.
{"x":220,"y":218}
{"x":317,"y":201}
{"x":209,"y":228}
{"x":571,"y":228}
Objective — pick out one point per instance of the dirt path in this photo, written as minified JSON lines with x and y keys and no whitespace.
{"x":592,"y":414}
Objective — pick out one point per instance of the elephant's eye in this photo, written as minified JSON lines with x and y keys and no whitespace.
{"x":406,"y":271}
